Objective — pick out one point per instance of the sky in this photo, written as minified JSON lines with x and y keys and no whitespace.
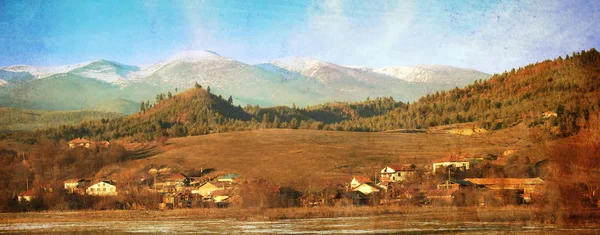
{"x":490,"y":36}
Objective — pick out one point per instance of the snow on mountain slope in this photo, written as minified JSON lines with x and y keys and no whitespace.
{"x":247,"y":83}
{"x":44,"y":71}
{"x":300,"y":80}
{"x":326,"y":72}
{"x":432,"y":74}
{"x":107,"y":71}
{"x":182,"y":57}
{"x":303,"y":65}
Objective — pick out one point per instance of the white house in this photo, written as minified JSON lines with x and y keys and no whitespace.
{"x":102,"y":188}
{"x":206,"y":189}
{"x":73,"y":185}
{"x":366,"y":188}
{"x":27,"y":195}
{"x":454,"y":160}
{"x":358,"y":180}
{"x":396,"y":173}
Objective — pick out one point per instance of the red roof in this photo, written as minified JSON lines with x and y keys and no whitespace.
{"x":30,"y":192}
{"x":362,"y":179}
{"x":452,"y":158}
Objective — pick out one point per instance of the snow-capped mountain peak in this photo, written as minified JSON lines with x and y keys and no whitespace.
{"x":431,"y":74}
{"x":181,"y":57}
{"x":303,"y":65}
{"x":44,"y":71}
{"x":108,"y":71}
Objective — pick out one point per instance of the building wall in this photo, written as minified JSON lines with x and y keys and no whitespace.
{"x":443,"y":165}
{"x":102,"y":189}
{"x":366,"y":189}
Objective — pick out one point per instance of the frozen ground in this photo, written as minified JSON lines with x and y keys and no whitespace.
{"x":389,"y":224}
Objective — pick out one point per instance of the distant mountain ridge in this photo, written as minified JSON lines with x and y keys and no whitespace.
{"x":299,"y":80}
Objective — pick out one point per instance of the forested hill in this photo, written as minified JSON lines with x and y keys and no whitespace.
{"x":193,"y":112}
{"x":197,"y":112}
{"x":568,"y":86}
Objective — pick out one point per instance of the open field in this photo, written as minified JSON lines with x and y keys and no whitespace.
{"x":303,"y":157}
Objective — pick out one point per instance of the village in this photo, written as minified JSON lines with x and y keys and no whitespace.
{"x":447,"y":181}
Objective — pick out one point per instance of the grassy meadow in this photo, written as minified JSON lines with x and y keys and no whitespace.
{"x":302,"y":158}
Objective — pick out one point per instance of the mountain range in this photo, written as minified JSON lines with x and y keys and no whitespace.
{"x":111,"y":86}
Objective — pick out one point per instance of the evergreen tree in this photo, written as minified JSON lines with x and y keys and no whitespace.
{"x":276,"y":122}
{"x":265,"y":121}
{"x":293,"y":123}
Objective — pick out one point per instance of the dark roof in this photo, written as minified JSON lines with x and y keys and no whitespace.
{"x":403,"y":167}
{"x":178,"y":176}
{"x":462,"y":182}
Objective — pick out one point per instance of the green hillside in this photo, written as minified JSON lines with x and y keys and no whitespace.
{"x":14,"y":119}
{"x":70,"y":91}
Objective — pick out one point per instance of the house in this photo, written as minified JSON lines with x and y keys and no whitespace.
{"x":358,"y":180}
{"x":397,"y":173}
{"x":102,"y":188}
{"x":80,"y":142}
{"x":549,"y":114}
{"x":525,"y":188}
{"x":454,"y":184}
{"x":221,"y":197}
{"x":26,"y":196}
{"x":367,"y":188}
{"x":73,"y":185}
{"x":102,"y":144}
{"x":229,"y":178}
{"x":357,"y":198}
{"x":441,"y":196}
{"x":206,"y":189}
{"x":454,"y":160}
{"x":174,"y":180}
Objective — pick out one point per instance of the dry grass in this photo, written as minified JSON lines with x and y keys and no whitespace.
{"x":306,"y":158}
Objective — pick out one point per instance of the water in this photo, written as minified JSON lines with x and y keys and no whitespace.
{"x":342,"y":225}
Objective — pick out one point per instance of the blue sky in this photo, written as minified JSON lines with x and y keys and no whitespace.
{"x":491,"y":36}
